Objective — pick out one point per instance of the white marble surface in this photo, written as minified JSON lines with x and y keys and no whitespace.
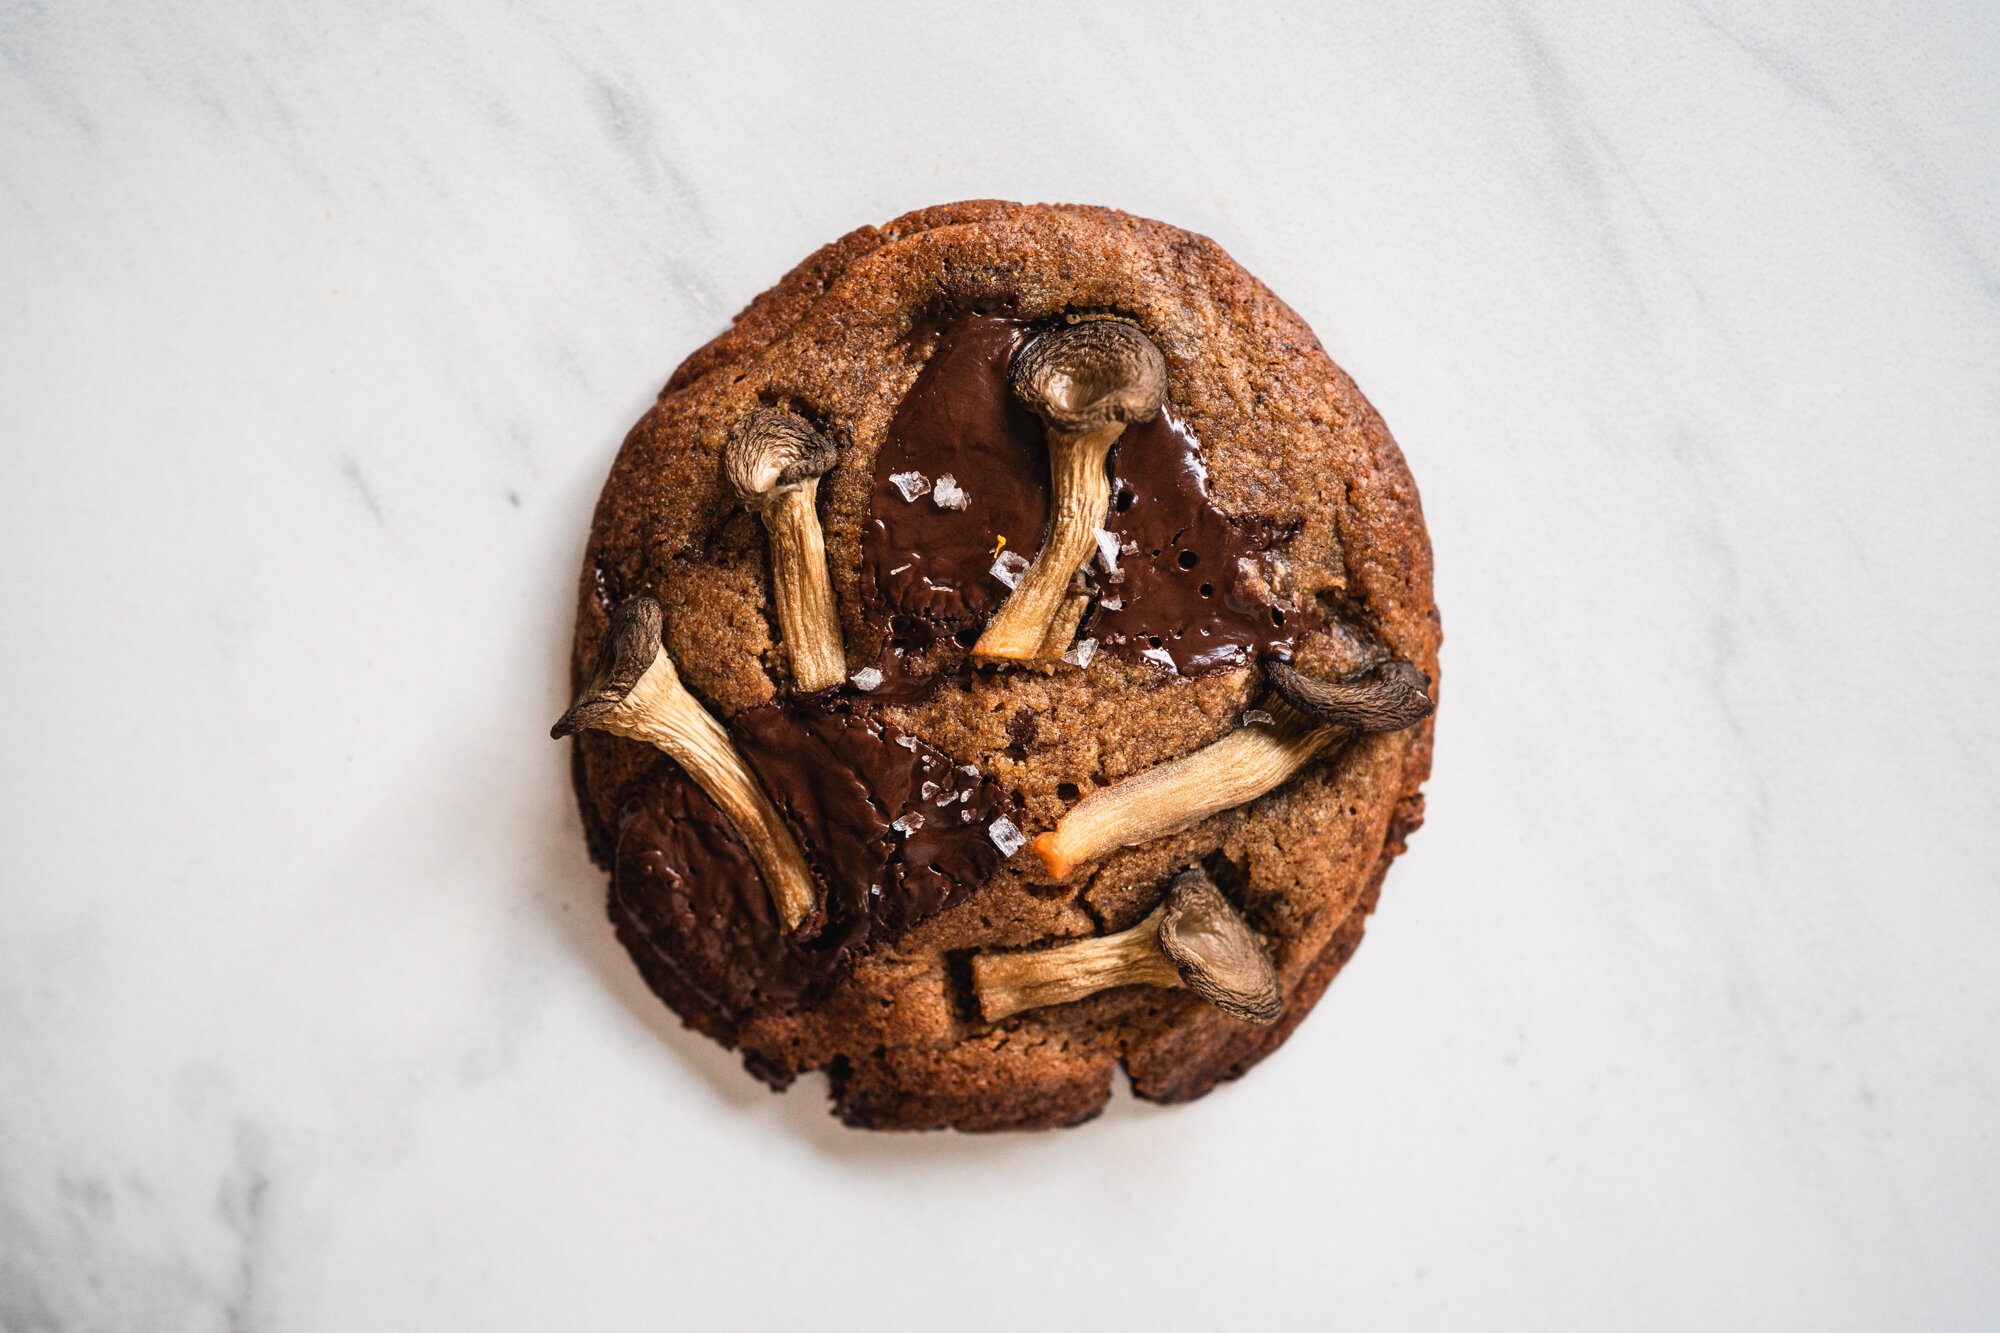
{"x":320,"y":327}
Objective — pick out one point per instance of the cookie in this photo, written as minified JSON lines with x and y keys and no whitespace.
{"x":1006,"y":653}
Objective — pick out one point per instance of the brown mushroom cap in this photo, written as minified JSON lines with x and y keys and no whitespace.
{"x":770,"y":451}
{"x":1084,"y":377}
{"x":1388,"y":697}
{"x":1215,"y":952}
{"x":627,"y":649}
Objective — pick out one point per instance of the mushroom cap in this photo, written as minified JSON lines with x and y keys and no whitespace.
{"x":770,"y":451}
{"x":1218,"y":957}
{"x":625,"y":652}
{"x":1388,"y":697}
{"x":1083,"y":377}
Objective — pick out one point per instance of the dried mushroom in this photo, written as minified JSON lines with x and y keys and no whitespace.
{"x":773,"y":463}
{"x":1086,"y":382}
{"x":1306,"y":717}
{"x":635,"y":692}
{"x":1194,"y":938}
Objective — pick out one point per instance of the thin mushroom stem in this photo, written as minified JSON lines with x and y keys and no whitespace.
{"x":1308,"y":717}
{"x":1239,"y":768}
{"x":635,"y":692}
{"x":1194,"y":938}
{"x":1007,"y":983}
{"x":1082,"y":491}
{"x":806,"y":614}
{"x":1062,"y":627}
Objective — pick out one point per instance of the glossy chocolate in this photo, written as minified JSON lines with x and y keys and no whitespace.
{"x":893,"y":830}
{"x":1194,"y":592}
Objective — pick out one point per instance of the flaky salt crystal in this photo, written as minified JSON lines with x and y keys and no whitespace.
{"x":868,"y":678}
{"x":1113,"y":604}
{"x":970,"y":770}
{"x":1160,"y":657}
{"x":949,"y":494}
{"x":1009,"y":568}
{"x":1257,"y":717}
{"x":1107,"y":551}
{"x":908,"y":742}
{"x":928,"y":790}
{"x":1081,"y":652}
{"x":1006,"y":836}
{"x":908,"y":823}
{"x":911,"y":484}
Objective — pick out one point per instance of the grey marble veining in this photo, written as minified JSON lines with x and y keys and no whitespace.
{"x":321,"y":328}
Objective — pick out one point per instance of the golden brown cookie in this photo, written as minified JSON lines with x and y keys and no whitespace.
{"x":938,"y":405}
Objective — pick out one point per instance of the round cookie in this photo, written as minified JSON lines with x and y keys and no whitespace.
{"x":1263,"y":515}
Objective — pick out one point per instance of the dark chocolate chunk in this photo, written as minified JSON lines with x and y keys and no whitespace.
{"x":1196,"y":589}
{"x":894,"y":831}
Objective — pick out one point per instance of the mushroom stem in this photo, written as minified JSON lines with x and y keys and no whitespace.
{"x":1007,"y":983}
{"x":1062,"y":628}
{"x":1085,"y":381}
{"x":1234,"y":770}
{"x":1082,"y":491}
{"x":1308,"y":716}
{"x":636,"y":693}
{"x":806,"y":614}
{"x":773,"y":462}
{"x":1194,"y":938}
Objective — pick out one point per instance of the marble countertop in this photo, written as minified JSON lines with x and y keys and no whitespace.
{"x":321,"y":328}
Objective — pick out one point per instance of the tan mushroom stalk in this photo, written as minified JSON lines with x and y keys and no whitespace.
{"x":1069,"y":612}
{"x":1307,"y":717}
{"x":773,"y":462}
{"x":635,"y":692}
{"x":1086,"y":382}
{"x":1193,"y":939}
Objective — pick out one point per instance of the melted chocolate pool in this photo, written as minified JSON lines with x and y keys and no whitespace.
{"x":1192,"y":591}
{"x":893,"y":831}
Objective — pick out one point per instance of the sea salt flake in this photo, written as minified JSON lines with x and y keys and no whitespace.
{"x":908,"y":742}
{"x":868,"y":678}
{"x":908,"y":823}
{"x":1006,"y":836}
{"x":949,"y":494}
{"x":1107,"y":551}
{"x":913,"y":485}
{"x":1115,"y":576}
{"x":1257,"y":717}
{"x":1160,"y":657}
{"x":928,"y":790}
{"x":1009,"y":568}
{"x":1081,"y":652}
{"x":1113,"y":604}
{"x":1129,"y":548}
